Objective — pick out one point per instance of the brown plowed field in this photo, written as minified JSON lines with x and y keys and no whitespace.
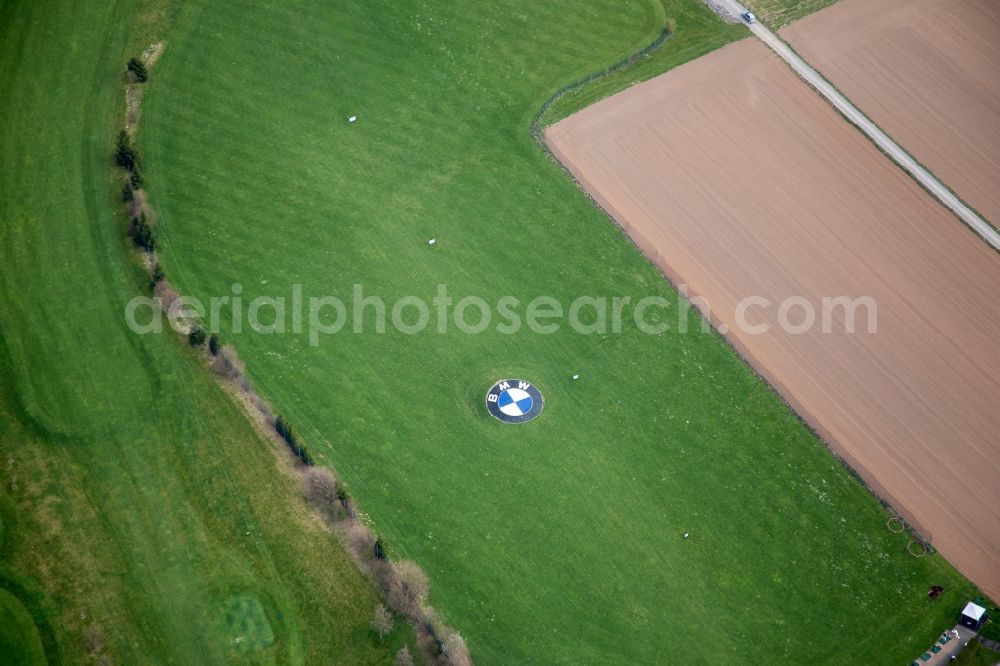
{"x":739,"y":180}
{"x":928,"y":72}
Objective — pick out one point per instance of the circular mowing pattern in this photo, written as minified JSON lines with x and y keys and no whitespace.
{"x":514,"y":401}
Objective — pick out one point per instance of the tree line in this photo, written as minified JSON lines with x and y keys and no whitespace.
{"x":403,"y":583}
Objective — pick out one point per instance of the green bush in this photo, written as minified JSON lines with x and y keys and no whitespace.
{"x":213,"y":345}
{"x":126,"y":156}
{"x":284,"y":430}
{"x":142,"y":234}
{"x":196,"y":337}
{"x":344,"y":498}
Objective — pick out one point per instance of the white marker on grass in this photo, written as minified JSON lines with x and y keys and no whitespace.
{"x":575,"y":377}
{"x":432,"y":241}
{"x":352,"y":119}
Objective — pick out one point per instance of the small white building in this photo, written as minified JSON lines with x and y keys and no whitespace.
{"x":974,"y":616}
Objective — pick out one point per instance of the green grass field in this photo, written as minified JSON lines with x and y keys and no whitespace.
{"x":779,"y":13}
{"x":143,"y":520}
{"x":693,"y":31}
{"x":20,"y":642}
{"x":559,"y":541}
{"x":976,"y":654}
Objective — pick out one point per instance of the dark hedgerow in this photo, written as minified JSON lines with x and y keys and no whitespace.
{"x":142,"y":234}
{"x":138,"y":70}
{"x":126,"y":156}
{"x":135,"y":177}
{"x":156,"y":276}
{"x":343,"y":496}
{"x":284,"y":430}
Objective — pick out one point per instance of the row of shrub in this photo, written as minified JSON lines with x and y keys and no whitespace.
{"x":403,"y":583}
{"x":140,"y":230}
{"x":127,"y":157}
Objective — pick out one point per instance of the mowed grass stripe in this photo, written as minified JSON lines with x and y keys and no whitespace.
{"x":19,"y":639}
{"x":549,"y":542}
{"x":33,"y":331}
{"x":141,"y":503}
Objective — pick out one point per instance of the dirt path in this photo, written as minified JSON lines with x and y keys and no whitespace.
{"x":739,"y":181}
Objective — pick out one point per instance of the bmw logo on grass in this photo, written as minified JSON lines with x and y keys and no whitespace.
{"x":514,"y":401}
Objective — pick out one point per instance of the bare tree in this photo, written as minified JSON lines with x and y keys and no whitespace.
{"x":136,"y":202}
{"x":455,"y":650}
{"x":166,"y":293}
{"x":408,"y":589}
{"x":228,"y":364}
{"x":382,"y":622}
{"x":359,"y":540}
{"x":320,"y":488}
{"x":403,"y":657}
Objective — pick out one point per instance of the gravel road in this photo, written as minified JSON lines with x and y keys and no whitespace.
{"x":857,"y":118}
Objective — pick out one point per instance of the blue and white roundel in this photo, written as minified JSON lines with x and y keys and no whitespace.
{"x":514,"y":401}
